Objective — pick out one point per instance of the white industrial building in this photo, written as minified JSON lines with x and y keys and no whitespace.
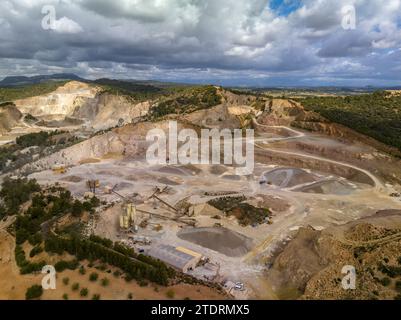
{"x":179,"y":258}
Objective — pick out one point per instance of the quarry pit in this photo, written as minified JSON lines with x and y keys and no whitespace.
{"x":309,"y":190}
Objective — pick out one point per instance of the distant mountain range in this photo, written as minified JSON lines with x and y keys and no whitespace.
{"x":14,"y":81}
{"x":21,"y":80}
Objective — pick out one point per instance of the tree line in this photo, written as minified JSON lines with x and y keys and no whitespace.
{"x":55,"y":202}
{"x":87,"y":249}
{"x":377,"y":115}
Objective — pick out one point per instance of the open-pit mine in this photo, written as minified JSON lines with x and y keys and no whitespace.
{"x":320,"y":196}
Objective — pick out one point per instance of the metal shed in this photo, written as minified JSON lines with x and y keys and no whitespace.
{"x":182,"y":260}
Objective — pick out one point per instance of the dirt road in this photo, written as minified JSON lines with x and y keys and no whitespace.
{"x":377,"y":184}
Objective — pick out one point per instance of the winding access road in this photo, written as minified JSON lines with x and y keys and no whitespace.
{"x":298,"y":135}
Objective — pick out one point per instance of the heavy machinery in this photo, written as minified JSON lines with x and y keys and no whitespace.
{"x":59,"y":169}
{"x":160,"y":191}
{"x":93,"y":185}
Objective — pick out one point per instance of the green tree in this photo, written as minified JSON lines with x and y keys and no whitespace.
{"x":84,"y":292}
{"x":93,"y":276}
{"x":34,"y":292}
{"x":82,"y":270}
{"x":105,"y":282}
{"x":77,"y":208}
{"x":66,"y":281}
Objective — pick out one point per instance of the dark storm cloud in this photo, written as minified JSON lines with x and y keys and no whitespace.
{"x":346,"y":44}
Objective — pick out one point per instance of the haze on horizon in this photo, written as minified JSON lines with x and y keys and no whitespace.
{"x":227,"y":42}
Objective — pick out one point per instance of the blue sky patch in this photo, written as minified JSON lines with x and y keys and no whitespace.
{"x":285,"y":7}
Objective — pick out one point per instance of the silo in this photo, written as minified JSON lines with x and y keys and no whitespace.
{"x":131,"y":212}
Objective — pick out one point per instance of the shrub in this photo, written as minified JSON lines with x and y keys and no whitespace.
{"x":66,"y":281}
{"x":143,"y":283}
{"x":84,"y":292}
{"x":391,"y":271}
{"x":35,"y":250}
{"x":65,"y":296}
{"x":63,"y":265}
{"x":36,"y":139}
{"x":34,"y":292}
{"x":77,"y":208}
{"x":21,"y":236}
{"x":130,"y":296}
{"x":105,"y":282}
{"x":93,"y":276}
{"x":35,"y":239}
{"x":96,"y":297}
{"x":25,"y":266}
{"x":385,"y":281}
{"x":75,"y":286}
{"x":82,"y":270}
{"x":101,"y":267}
{"x":170,"y":294}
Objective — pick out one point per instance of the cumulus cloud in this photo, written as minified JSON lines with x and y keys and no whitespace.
{"x":65,"y":25}
{"x":261,"y":42}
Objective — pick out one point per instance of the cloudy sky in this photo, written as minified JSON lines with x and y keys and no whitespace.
{"x":230,"y":42}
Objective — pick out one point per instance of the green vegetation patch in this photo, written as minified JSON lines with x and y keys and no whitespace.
{"x":35,"y":251}
{"x":34,"y":224}
{"x":250,"y":215}
{"x":25,"y":266}
{"x":225,"y":204}
{"x":188,"y":101}
{"x":22,"y":92}
{"x":16,"y":192}
{"x":34,"y":292}
{"x":48,"y":142}
{"x":64,"y":265}
{"x":391,"y":271}
{"x":37,"y":139}
{"x":135,"y":91}
{"x":136,"y":267}
{"x":30,"y":224}
{"x":377,"y":115}
{"x":44,"y":207}
{"x":245,"y":213}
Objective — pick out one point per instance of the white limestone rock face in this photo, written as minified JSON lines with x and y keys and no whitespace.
{"x":77,"y":100}
{"x":61,"y":102}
